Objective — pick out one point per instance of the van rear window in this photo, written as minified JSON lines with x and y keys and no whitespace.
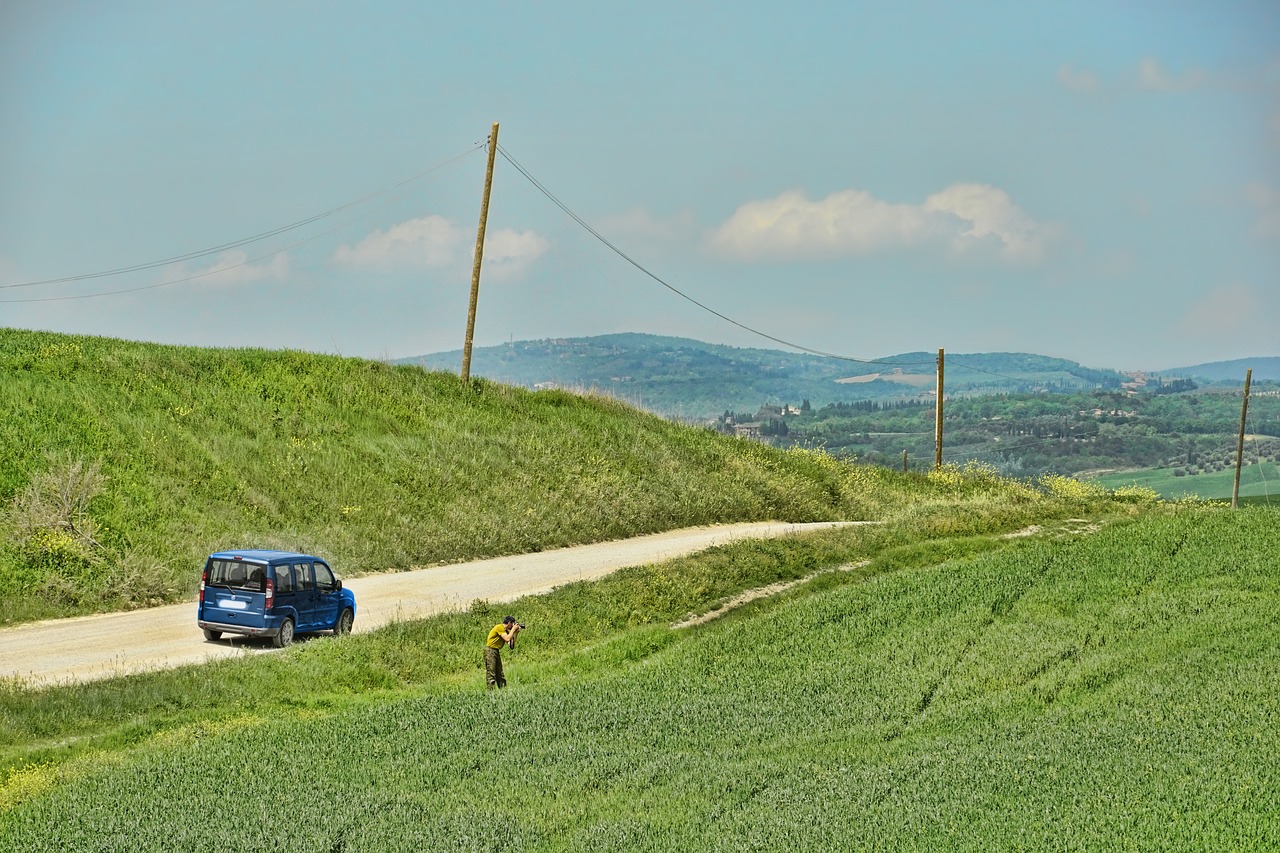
{"x":236,"y":574}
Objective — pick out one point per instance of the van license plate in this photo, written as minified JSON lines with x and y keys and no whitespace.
{"x":232,"y":604}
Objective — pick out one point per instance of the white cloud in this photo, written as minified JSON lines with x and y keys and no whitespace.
{"x":962,"y":217}
{"x":231,"y":267}
{"x":640,"y":224}
{"x":849,"y":221}
{"x":424,"y":243}
{"x":507,"y":253}
{"x":1153,"y":76}
{"x":433,"y":242}
{"x":988,"y":212}
{"x":1078,"y":81}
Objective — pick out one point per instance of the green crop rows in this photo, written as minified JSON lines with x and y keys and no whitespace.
{"x":1112,"y":691}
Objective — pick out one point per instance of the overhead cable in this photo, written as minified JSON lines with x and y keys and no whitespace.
{"x":182,"y":280}
{"x":206,"y":273}
{"x":594,"y":233}
{"x":236,"y":243}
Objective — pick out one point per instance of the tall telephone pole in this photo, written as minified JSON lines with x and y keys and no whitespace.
{"x":475,"y":269}
{"x":937,"y":420}
{"x":1244,"y":410}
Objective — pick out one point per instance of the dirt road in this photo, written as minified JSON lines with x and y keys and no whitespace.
{"x":92,"y":647}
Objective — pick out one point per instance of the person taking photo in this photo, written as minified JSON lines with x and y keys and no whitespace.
{"x":504,"y":633}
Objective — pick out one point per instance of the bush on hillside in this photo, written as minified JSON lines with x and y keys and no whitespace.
{"x":54,"y":533}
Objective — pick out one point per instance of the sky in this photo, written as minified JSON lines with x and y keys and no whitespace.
{"x":1098,"y":181}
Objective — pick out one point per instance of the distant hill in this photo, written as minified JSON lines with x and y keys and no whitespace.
{"x":680,"y":377}
{"x":1264,"y":368}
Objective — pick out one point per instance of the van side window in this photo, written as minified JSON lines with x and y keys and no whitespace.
{"x":305,"y":579}
{"x":324,"y":578}
{"x":284,"y":580}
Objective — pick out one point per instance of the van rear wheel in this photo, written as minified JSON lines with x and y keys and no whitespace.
{"x":284,"y":636}
{"x":343,"y":626}
{"x":212,"y":636}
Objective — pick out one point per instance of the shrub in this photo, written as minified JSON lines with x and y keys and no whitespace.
{"x":53,"y":531}
{"x":58,"y":501}
{"x":1070,"y":488}
{"x":1134,"y":493}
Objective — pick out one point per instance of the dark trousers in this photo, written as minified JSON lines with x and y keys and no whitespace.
{"x":493,"y":668}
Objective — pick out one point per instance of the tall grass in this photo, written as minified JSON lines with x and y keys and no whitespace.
{"x":1108,"y":692}
{"x":372,"y":466}
{"x":376,"y":467}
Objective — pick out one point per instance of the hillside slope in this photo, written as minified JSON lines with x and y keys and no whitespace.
{"x":123,"y":464}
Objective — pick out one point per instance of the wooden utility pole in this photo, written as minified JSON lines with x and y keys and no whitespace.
{"x":937,"y":420}
{"x":475,"y":269}
{"x":1244,"y":410}
{"x":904,"y":461}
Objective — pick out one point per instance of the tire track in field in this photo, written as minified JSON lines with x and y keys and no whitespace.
{"x":1002,"y":605}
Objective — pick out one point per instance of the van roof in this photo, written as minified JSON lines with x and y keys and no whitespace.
{"x":258,"y":555}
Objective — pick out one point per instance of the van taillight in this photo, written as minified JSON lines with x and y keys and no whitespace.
{"x":271,"y":593}
{"x":204,"y":576}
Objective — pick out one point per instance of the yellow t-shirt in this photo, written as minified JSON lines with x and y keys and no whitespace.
{"x":495,"y":640}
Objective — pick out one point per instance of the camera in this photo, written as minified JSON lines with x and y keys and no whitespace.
{"x":520,"y":625}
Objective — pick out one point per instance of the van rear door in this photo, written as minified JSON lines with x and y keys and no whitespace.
{"x":235,"y":593}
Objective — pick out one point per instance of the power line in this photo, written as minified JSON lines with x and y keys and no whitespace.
{"x":594,"y":233}
{"x":206,"y":273}
{"x":232,"y":245}
{"x":183,"y":280}
{"x":1262,"y":474}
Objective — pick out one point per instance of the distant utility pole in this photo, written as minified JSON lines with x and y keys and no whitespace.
{"x":937,"y":420}
{"x":475,"y":269}
{"x":1244,"y":410}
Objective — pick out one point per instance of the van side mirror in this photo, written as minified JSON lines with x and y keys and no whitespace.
{"x":337,"y":584}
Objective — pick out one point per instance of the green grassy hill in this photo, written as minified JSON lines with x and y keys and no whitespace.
{"x":123,"y":464}
{"x":1070,"y":690}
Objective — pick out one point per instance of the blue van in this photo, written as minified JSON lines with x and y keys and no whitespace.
{"x":272,"y":594}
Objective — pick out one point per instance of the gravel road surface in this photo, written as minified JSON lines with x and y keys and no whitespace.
{"x":91,"y":647}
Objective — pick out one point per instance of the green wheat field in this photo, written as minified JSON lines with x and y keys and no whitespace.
{"x":997,"y":665}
